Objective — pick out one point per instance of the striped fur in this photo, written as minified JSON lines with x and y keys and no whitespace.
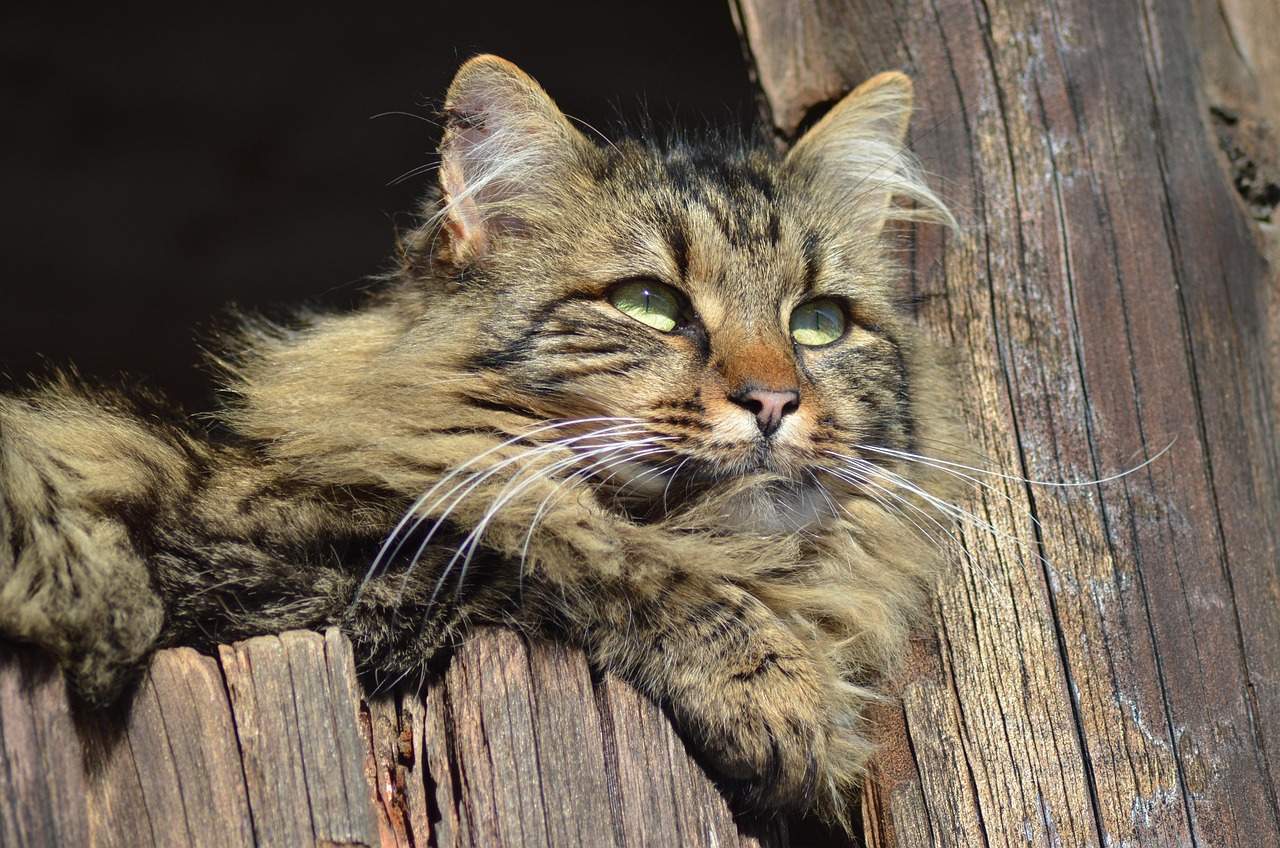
{"x":489,"y":439}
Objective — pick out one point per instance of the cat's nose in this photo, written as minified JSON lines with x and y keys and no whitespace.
{"x":769,"y":406}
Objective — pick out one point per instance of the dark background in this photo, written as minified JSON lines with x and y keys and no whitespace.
{"x":158,"y":165}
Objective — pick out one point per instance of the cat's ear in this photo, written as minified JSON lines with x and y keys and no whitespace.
{"x":505,"y":146}
{"x":857,"y":155}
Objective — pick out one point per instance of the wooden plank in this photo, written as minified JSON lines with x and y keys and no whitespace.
{"x":1241,"y":78}
{"x":1105,"y":673}
{"x":537,"y":754}
{"x":165,"y":767}
{"x":395,"y":752}
{"x":170,"y":771}
{"x":41,"y":777}
{"x":439,"y":786}
{"x":296,"y":715}
{"x":515,"y":761}
{"x":272,"y":745}
{"x":663,"y":796}
{"x":257,"y":678}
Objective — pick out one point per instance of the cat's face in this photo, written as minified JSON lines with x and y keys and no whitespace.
{"x":710,"y":307}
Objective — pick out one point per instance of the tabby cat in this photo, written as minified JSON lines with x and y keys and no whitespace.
{"x":660,"y":400}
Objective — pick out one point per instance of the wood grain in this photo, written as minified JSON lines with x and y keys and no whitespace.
{"x":168,"y":765}
{"x":296,"y":710}
{"x":275,"y":743}
{"x":521,"y":747}
{"x":39,"y":771}
{"x":1105,"y":660}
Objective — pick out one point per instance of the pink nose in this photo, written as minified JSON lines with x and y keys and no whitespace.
{"x":768,"y":406}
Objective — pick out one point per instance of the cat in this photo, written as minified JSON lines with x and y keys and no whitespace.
{"x":661,"y":400}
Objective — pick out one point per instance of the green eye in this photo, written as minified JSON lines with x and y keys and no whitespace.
{"x":817,"y":323}
{"x":649,"y":302}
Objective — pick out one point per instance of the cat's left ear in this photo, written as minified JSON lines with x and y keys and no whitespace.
{"x":857,"y":155}
{"x":506,"y":146}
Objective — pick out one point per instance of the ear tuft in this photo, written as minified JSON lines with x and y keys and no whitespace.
{"x":505,"y":145}
{"x":857,"y":154}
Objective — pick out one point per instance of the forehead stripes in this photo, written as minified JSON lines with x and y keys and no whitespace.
{"x":736,"y":196}
{"x":742,"y":249}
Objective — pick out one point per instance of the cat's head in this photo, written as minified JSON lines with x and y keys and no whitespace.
{"x":732,"y":312}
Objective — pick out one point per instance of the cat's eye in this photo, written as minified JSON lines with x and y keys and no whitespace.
{"x":649,"y":302}
{"x":818,"y":322}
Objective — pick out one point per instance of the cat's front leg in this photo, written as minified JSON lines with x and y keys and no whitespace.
{"x":710,"y":625}
{"x":754,"y":699}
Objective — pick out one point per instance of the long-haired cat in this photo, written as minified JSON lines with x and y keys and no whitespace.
{"x":658,"y":400}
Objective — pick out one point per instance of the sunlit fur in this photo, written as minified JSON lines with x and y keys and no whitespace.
{"x":489,"y":439}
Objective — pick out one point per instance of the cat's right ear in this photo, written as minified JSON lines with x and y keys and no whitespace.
{"x":857,"y":158}
{"x":505,"y":146}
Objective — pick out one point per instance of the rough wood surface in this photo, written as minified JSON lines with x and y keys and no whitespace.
{"x":40,"y":764}
{"x":1106,"y":665}
{"x":167,"y":770}
{"x":296,"y":705}
{"x":273,"y":743}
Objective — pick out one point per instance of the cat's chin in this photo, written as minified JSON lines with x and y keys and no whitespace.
{"x":777,"y":507}
{"x":758,"y":502}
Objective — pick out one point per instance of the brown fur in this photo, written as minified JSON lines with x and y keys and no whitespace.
{"x":490,"y":439}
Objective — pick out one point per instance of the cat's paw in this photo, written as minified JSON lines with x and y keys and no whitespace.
{"x":764,"y":718}
{"x":79,"y":591}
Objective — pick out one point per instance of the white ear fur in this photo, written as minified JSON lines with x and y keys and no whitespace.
{"x":504,"y":143}
{"x":858,"y":154}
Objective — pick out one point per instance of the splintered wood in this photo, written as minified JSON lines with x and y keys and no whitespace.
{"x":1105,"y":668}
{"x":273,"y":743}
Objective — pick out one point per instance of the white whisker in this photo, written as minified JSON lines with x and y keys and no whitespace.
{"x":568,"y":483}
{"x":414,"y":515}
{"x":895,"y":503}
{"x":956,"y":513}
{"x":666,"y":506}
{"x":944,"y":465}
{"x":463,"y":489}
{"x":897,"y":508}
{"x":510,"y":491}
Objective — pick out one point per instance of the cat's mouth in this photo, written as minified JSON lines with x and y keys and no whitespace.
{"x":666,"y":473}
{"x":746,"y":495}
{"x":764,"y":455}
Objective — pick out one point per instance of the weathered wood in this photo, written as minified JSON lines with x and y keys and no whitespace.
{"x":663,"y":796}
{"x":274,"y":744}
{"x":511,"y":779}
{"x":296,"y":708}
{"x":1105,"y":664}
{"x":167,"y":768}
{"x":39,"y":770}
{"x":520,"y":747}
{"x":545,"y":757}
